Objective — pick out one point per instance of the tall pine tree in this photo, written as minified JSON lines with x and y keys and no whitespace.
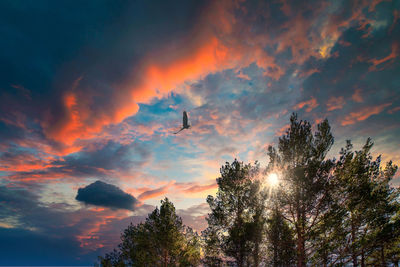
{"x":305,"y":173}
{"x":235,"y":223}
{"x":162,"y":240}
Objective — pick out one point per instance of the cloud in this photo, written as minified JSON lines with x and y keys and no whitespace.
{"x":389,"y":58}
{"x":103,"y":90}
{"x":195,"y":216}
{"x":106,"y":195}
{"x":200,"y":188}
{"x":335,"y":103}
{"x":24,"y":247}
{"x":311,"y":104}
{"x":363,"y":114}
{"x":154,"y":192}
{"x":102,"y":159}
{"x":394,"y":110}
{"x":72,"y":235}
{"x":281,"y":131}
{"x":16,"y":160}
{"x":357,"y":97}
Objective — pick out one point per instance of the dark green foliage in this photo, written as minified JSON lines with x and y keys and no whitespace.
{"x":324,"y":212}
{"x":112,"y":259}
{"x":367,"y":204}
{"x":162,"y":240}
{"x":281,"y":243}
{"x":305,"y":178}
{"x":236,"y":220}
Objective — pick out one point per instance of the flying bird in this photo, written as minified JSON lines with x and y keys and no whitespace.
{"x":185,"y":122}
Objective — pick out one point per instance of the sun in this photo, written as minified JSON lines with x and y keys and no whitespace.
{"x":273,"y":179}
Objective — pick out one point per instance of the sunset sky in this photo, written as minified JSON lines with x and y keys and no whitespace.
{"x":92,"y":91}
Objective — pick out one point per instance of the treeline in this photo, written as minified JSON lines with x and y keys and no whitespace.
{"x":321,"y":212}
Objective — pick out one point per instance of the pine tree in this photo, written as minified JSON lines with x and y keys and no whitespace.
{"x":281,"y":243}
{"x":162,"y":240}
{"x":356,"y":172}
{"x":305,"y":174}
{"x":235,"y":218}
{"x":384,"y":224}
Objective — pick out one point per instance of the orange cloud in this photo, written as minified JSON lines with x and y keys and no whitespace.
{"x":241,"y":75}
{"x":393,"y":110}
{"x":24,"y":163}
{"x":159,"y":72}
{"x":154,"y":193}
{"x":393,"y":54}
{"x":90,"y":237}
{"x":357,"y":97}
{"x":200,"y":188}
{"x":281,"y":131}
{"x":311,"y":104}
{"x":157,"y":80}
{"x":335,"y":103}
{"x":216,"y":44}
{"x":363,"y":114}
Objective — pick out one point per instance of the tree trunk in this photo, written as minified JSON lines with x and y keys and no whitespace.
{"x":362,"y":258}
{"x":300,"y":250}
{"x":256,"y":254}
{"x":240,"y":259}
{"x":275,"y":260}
{"x":383,"y":262}
{"x":300,"y":235}
{"x":165,"y":263}
{"x":353,"y":241}
{"x":325,"y":258}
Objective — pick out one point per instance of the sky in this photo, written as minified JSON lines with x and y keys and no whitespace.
{"x":92,"y":91}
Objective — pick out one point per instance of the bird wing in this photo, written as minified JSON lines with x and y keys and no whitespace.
{"x":185,"y":119}
{"x":179,"y":130}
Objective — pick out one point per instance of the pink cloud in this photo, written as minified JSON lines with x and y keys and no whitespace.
{"x":389,"y":58}
{"x":154,"y":192}
{"x":24,"y":162}
{"x":363,"y":114}
{"x":311,"y":104}
{"x":281,"y":131}
{"x":158,"y":73}
{"x":243,"y":76}
{"x":357,"y":97}
{"x":393,"y":110}
{"x":335,"y":103}
{"x":200,"y":188}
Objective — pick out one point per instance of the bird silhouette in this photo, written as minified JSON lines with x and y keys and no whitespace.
{"x":185,"y":122}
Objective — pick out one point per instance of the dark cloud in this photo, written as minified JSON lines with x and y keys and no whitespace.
{"x":24,"y":247}
{"x":109,"y":156}
{"x":40,"y":234}
{"x":37,"y":233}
{"x":56,"y":234}
{"x":106,"y":195}
{"x":50,"y":48}
{"x":68,"y":78}
{"x":97,"y":159}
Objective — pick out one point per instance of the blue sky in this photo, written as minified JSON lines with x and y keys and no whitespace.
{"x":93,"y":91}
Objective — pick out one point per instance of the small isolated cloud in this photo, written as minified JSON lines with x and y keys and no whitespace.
{"x":106,"y":195}
{"x":311,"y":104}
{"x":357,"y":97}
{"x":335,"y":103}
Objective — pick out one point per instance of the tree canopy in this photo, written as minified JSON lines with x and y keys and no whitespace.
{"x":162,"y":240}
{"x":317,"y":211}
